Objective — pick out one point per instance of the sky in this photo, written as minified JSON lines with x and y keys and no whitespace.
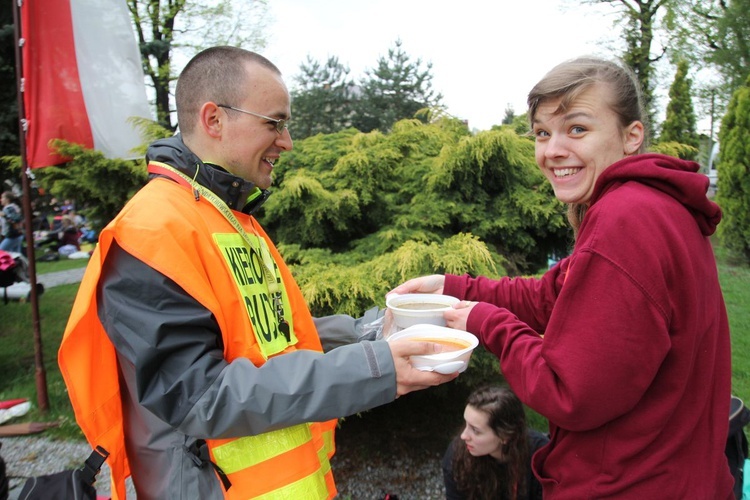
{"x":486,"y":54}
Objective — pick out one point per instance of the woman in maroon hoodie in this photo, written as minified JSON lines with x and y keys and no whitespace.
{"x":623,"y":345}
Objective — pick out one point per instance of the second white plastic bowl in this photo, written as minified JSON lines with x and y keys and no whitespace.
{"x":444,"y":362}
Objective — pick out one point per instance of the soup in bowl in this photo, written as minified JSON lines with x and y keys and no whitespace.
{"x":419,"y":308}
{"x":457,"y":347}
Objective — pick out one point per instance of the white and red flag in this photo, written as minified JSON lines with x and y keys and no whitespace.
{"x":82,"y":78}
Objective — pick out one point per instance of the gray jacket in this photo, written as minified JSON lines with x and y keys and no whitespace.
{"x":176,"y":386}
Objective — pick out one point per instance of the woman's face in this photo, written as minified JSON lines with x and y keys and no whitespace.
{"x":479,"y":437}
{"x":574,"y":147}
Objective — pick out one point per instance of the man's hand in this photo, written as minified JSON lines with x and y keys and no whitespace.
{"x":408,"y":378}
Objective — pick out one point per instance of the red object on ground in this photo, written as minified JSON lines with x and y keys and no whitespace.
{"x":8,"y":403}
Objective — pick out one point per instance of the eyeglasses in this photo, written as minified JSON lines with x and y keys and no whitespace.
{"x":280,"y":124}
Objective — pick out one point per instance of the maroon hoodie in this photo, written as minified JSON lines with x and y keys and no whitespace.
{"x":634,"y":369}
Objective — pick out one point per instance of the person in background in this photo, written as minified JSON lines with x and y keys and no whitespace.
{"x":69,"y":236}
{"x":190,"y":354}
{"x":623,"y":345}
{"x":77,"y":218}
{"x":491,"y":458}
{"x":12,"y":223}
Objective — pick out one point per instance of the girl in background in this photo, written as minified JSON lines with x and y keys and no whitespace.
{"x":491,"y":458}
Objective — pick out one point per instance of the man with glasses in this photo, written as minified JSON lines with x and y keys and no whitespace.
{"x":190,"y":354}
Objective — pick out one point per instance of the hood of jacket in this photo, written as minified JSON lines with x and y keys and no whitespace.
{"x":236,"y":192}
{"x":677,"y":178}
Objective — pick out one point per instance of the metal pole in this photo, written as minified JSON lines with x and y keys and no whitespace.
{"x":40,"y":374}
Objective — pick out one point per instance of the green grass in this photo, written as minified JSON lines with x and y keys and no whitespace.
{"x":734,"y":283}
{"x":17,"y":359}
{"x":17,"y":366}
{"x":58,"y":265}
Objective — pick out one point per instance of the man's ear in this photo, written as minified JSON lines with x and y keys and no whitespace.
{"x":211,"y":119}
{"x":634,"y":134}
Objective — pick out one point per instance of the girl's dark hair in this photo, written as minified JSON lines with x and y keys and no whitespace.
{"x":484,"y":477}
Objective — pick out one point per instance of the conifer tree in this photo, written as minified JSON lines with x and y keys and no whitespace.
{"x":510,"y":115}
{"x":322,"y":100}
{"x":733,"y":190}
{"x":396,"y":89}
{"x":679,"y":125}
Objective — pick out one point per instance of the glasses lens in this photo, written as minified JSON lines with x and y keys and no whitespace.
{"x":280,"y":126}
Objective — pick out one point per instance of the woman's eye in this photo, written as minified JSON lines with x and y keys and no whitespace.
{"x":577,"y":130}
{"x":541,"y":133}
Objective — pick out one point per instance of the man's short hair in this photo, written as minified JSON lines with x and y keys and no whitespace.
{"x":217,"y":74}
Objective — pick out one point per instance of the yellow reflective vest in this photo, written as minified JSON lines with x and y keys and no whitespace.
{"x":221,"y":272}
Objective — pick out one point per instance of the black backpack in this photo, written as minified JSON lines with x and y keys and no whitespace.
{"x":736,"y":450}
{"x":4,"y":484}
{"x":75,"y":484}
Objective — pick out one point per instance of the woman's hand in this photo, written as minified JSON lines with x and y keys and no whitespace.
{"x":425,"y":284}
{"x":456,"y":318}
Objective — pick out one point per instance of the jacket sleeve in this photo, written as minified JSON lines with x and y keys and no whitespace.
{"x":603,"y":346}
{"x":341,"y":329}
{"x":530,"y":299}
{"x":175,"y":347}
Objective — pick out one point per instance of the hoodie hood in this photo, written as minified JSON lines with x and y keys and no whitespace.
{"x":236,"y":192}
{"x":677,"y":178}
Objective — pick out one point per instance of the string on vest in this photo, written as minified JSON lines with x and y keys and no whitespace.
{"x":265,"y":253}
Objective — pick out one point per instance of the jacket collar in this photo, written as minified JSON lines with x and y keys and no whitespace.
{"x":236,"y":192}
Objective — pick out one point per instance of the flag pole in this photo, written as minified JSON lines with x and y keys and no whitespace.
{"x":40,"y":374}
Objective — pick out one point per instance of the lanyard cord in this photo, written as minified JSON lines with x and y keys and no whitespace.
{"x":222,"y":207}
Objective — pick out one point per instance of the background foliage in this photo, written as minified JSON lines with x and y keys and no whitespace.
{"x":734,"y":174}
{"x":679,"y":125}
{"x":326,"y":100}
{"x":355,"y":214}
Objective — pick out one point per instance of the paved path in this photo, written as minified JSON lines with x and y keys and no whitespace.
{"x":21,"y":290}
{"x":61,"y":277}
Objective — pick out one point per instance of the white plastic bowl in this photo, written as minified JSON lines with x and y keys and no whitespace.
{"x":419,"y":308}
{"x":443,"y":362}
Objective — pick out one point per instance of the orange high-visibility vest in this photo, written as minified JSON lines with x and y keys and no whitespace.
{"x":221,"y":273}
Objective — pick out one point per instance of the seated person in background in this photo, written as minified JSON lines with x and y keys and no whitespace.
{"x":69,"y":234}
{"x":491,"y":458}
{"x":11,"y":223}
